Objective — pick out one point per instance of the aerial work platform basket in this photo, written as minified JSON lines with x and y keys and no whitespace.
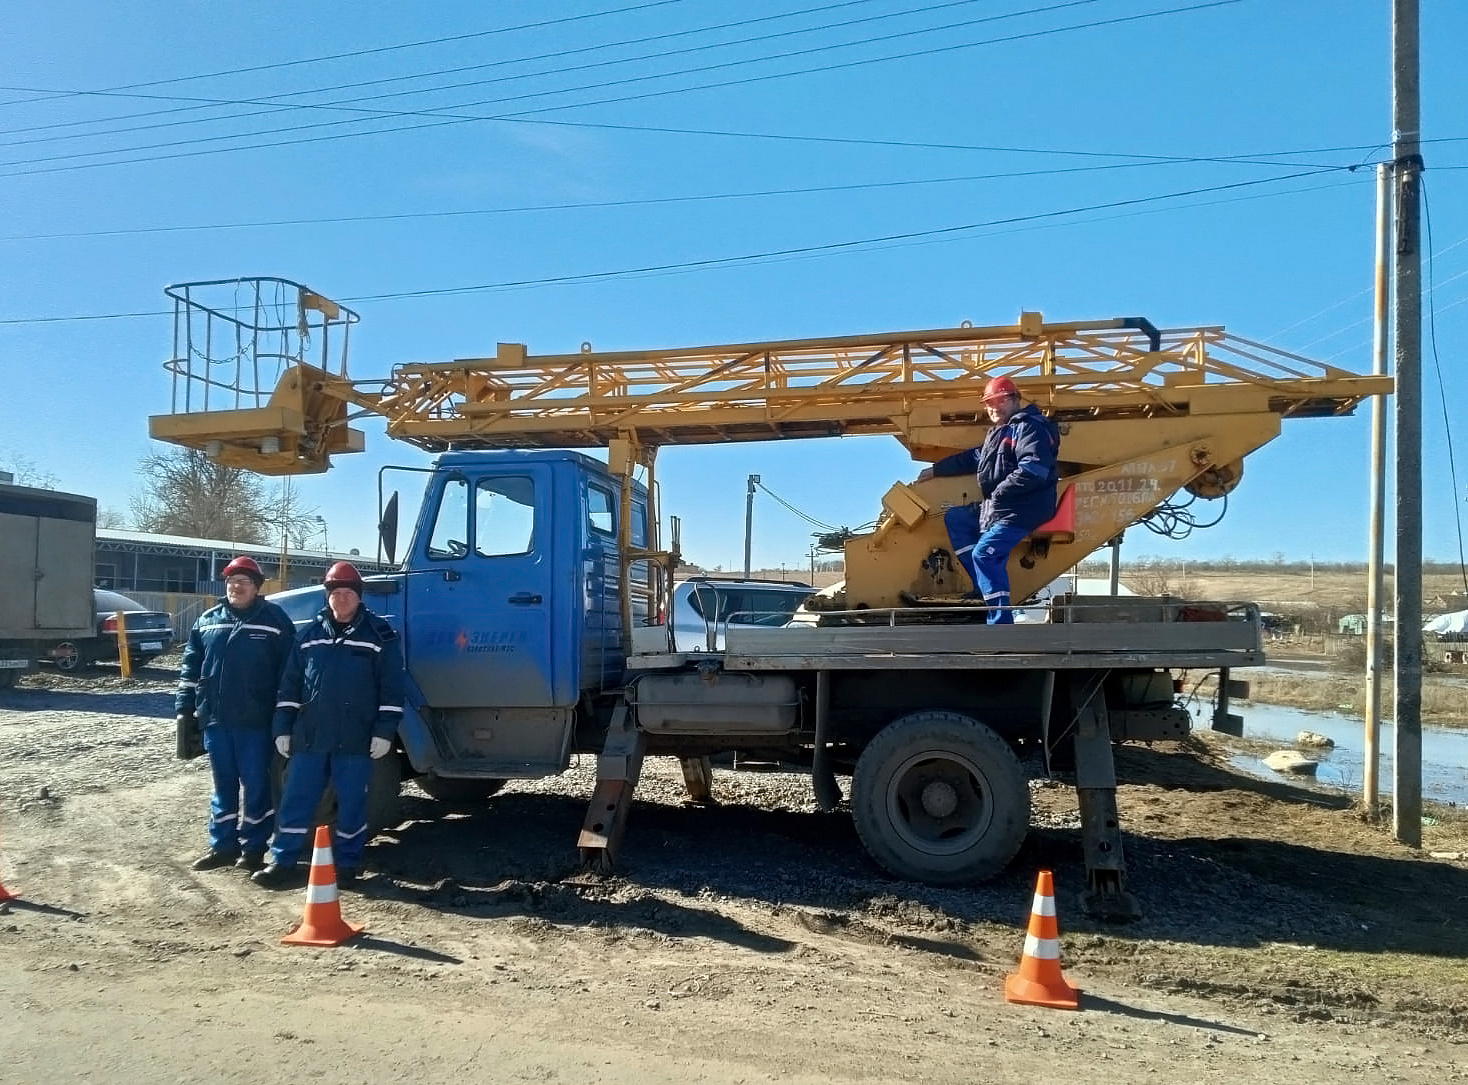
{"x":233,"y":342}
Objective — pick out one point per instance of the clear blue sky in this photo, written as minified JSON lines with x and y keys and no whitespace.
{"x":101,"y":213}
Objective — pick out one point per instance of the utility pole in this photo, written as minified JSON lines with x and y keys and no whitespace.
{"x":1371,"y":760}
{"x":1407,"y":328}
{"x":749,"y":520}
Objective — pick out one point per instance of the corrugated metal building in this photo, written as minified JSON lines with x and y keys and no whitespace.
{"x":137,"y":561}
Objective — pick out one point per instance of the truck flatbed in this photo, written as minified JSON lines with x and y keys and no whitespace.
{"x":1134,"y":633}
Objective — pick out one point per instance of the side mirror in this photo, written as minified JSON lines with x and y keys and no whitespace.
{"x":387,"y":528}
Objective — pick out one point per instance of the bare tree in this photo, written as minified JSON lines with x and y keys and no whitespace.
{"x":1161,"y":578}
{"x":108,"y":517}
{"x":287,"y":515}
{"x":25,"y":470}
{"x":185,"y":493}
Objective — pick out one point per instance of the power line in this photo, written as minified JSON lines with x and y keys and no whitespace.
{"x":211,"y":103}
{"x":347,"y":105}
{"x":450,"y":119}
{"x":354,"y":53}
{"x":581,"y":206}
{"x":829,"y":248}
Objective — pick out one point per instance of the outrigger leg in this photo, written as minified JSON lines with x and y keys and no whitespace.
{"x":1106,"y":896}
{"x":617,"y":770}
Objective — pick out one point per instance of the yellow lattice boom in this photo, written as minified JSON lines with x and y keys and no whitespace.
{"x":1142,"y":411}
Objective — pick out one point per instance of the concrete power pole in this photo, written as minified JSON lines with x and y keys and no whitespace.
{"x":749,"y":520}
{"x":1407,"y":328}
{"x":1370,"y":791}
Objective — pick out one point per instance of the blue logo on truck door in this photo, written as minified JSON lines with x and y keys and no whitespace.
{"x":484,"y":641}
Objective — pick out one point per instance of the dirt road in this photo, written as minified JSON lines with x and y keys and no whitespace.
{"x":1284,"y":940}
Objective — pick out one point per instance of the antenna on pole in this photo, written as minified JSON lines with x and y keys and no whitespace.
{"x":749,"y":520}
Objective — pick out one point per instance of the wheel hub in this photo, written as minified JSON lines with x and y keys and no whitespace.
{"x":939,"y":799}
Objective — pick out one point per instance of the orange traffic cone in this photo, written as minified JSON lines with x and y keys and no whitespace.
{"x":322,"y":925}
{"x":7,"y":894}
{"x":1038,"y":981}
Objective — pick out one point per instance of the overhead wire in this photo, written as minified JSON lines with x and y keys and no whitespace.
{"x":449,"y":119}
{"x":1442,"y":389}
{"x":372,"y":51}
{"x":212,"y":103}
{"x":581,"y":205}
{"x":746,"y":258}
{"x":742,"y":259}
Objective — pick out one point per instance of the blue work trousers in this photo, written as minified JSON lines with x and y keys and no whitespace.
{"x":239,"y":760}
{"x":306,"y":776}
{"x":984,"y":555}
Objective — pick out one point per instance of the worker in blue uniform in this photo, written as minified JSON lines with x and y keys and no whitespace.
{"x":1017,"y":475}
{"x":339,"y":706}
{"x":231,"y":670}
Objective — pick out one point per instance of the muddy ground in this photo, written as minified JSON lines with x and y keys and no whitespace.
{"x":1284,"y":938}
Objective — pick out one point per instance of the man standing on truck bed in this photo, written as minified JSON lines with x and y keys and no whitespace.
{"x":1017,"y":473}
{"x":231,"y":671}
{"x":339,"y":706}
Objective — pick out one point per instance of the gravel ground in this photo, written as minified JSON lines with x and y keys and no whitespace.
{"x":751,"y":939}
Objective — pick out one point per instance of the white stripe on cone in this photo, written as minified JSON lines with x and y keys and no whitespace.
{"x":321,"y":856}
{"x":1044,"y":949}
{"x":324,"y":894}
{"x":1044,"y":906}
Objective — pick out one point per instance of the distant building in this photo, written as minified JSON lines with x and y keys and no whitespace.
{"x":140,"y":561}
{"x":1355,"y":624}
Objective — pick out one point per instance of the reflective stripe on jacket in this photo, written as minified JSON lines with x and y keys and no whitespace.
{"x":232,"y":665}
{"x":341,"y":688}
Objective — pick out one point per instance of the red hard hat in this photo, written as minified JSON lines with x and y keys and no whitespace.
{"x":343,"y":575}
{"x":1000,"y":388}
{"x":244,"y":565}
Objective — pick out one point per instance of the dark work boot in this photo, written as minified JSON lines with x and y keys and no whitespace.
{"x":276,"y":876}
{"x":213,"y":860}
{"x":251,"y":861}
{"x":346,"y":877}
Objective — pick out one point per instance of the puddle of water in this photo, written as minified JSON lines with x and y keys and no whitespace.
{"x":1444,"y":750}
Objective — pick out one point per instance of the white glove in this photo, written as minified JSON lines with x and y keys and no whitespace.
{"x":379,"y":748}
{"x":283,"y":744}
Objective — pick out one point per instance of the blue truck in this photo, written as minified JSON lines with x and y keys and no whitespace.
{"x":532,"y":598}
{"x":530,"y":636}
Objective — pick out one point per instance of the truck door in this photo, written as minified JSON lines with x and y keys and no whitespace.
{"x":479,"y":592}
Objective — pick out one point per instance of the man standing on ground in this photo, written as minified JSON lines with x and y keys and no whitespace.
{"x":1016,"y":471}
{"x":231,"y":671}
{"x":339,"y":706}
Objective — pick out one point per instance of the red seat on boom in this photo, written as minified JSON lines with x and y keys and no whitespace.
{"x":1062,"y":526}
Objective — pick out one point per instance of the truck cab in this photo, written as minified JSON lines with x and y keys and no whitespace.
{"x":509,"y":605}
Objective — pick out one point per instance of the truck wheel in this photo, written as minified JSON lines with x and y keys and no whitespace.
{"x":938,"y":797}
{"x":69,"y":657}
{"x":384,"y":794}
{"x":458,"y":792}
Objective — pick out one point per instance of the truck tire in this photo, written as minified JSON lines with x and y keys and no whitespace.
{"x":460,"y":791}
{"x":384,"y":794}
{"x":69,"y":656}
{"x":938,"y":797}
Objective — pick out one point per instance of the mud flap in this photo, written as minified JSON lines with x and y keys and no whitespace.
{"x":617,"y":770}
{"x":1106,"y":896}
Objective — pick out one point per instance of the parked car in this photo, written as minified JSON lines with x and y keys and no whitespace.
{"x":707,"y":606}
{"x":149,"y":634}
